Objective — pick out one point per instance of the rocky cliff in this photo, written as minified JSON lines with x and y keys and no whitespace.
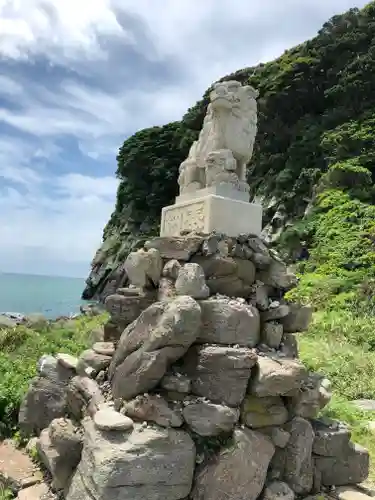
{"x":315,"y":112}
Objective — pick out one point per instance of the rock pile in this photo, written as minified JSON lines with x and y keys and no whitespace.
{"x":194,"y":387}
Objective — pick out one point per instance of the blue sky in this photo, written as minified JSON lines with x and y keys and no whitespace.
{"x":79,"y":76}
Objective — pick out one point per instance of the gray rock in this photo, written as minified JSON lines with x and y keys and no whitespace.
{"x":272,"y":334}
{"x":6,"y":322}
{"x":144,"y":267}
{"x":176,"y":382}
{"x":104,"y":348}
{"x":365,"y":404}
{"x":259,"y":297}
{"x":60,"y":464}
{"x":171,"y":269}
{"x":277,"y":377}
{"x":124,"y":310}
{"x":162,"y":465}
{"x":298,"y":471}
{"x":330,"y":440}
{"x":312,"y":397}
{"x":83,"y":396}
{"x":257,"y":245}
{"x":191,"y":281}
{"x":275,"y":313}
{"x":146,"y":349}
{"x":298,"y":319}
{"x":67,"y":360}
{"x":277,"y":276}
{"x":229,"y":322}
{"x":65,"y":436}
{"x":91,"y":359}
{"x":152,"y":408}
{"x":263,"y":412}
{"x":166,"y":290}
{"x":111,"y":420}
{"x":238,"y":472}
{"x":209,"y":419}
{"x":289,"y":346}
{"x":260,"y":260}
{"x":277,"y":490}
{"x":46,"y":397}
{"x":351,"y":467}
{"x":179,"y":248}
{"x":220,"y":374}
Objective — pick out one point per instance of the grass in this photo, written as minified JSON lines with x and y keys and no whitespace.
{"x":5,"y":493}
{"x":340,"y":345}
{"x":20,"y":349}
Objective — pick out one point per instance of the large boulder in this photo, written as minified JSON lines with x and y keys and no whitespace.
{"x":45,"y":398}
{"x":229,"y":322}
{"x":155,"y":463}
{"x":160,"y":336}
{"x":220,"y":373}
{"x":179,"y":248}
{"x":238,"y":472}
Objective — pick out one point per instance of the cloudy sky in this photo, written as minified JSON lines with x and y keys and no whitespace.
{"x":79,"y":76}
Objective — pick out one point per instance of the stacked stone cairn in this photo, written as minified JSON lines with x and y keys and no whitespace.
{"x":194,"y":388}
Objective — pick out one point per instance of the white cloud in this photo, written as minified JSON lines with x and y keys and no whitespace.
{"x":56,"y":217}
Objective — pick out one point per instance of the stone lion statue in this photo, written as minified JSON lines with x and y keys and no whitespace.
{"x":230,"y":124}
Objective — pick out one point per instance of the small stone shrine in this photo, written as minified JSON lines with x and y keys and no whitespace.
{"x":194,"y":389}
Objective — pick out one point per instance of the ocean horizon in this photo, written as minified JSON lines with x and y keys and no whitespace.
{"x":52,"y":296}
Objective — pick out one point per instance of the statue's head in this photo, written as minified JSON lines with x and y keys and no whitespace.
{"x":232,"y":96}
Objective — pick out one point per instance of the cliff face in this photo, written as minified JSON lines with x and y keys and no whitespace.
{"x":316,"y":111}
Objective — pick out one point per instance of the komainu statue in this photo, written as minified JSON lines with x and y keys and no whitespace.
{"x":226,"y":141}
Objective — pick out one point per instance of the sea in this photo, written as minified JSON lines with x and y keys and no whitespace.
{"x":50,"y":295}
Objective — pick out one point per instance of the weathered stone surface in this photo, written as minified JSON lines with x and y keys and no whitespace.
{"x":111,"y":332}
{"x":65,"y":436}
{"x":238,"y":472}
{"x":352,"y":493}
{"x":331,"y":438}
{"x":277,"y":376}
{"x":313,"y":396}
{"x":220,"y":373}
{"x":275,"y":311}
{"x":146,"y":463}
{"x":152,"y":408}
{"x":295,"y":460}
{"x":209,"y":419}
{"x":277,"y":276}
{"x":176,"y":382}
{"x":111,"y":420}
{"x":191,"y":281}
{"x":67,"y":360}
{"x":229,"y":322}
{"x":272,"y":334}
{"x":259,"y":296}
{"x":91,"y":359}
{"x":159,"y":337}
{"x":216,"y":266}
{"x":166,"y":290}
{"x":245,"y":271}
{"x":60,"y":465}
{"x":351,"y":467}
{"x":83,"y":395}
{"x":365,"y":404}
{"x":45,"y":398}
{"x":277,"y":490}
{"x":124,"y":310}
{"x":16,"y":468}
{"x":289,"y":346}
{"x":35,"y":492}
{"x":262,"y":412}
{"x":298,"y":319}
{"x":171,"y":269}
{"x":104,"y":348}
{"x":179,"y":248}
{"x":144,"y":267}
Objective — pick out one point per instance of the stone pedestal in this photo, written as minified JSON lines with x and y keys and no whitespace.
{"x":209,"y":213}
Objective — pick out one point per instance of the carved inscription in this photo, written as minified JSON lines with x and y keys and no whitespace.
{"x":183,"y":218}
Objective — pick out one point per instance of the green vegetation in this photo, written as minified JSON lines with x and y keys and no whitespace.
{"x":21,"y":348}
